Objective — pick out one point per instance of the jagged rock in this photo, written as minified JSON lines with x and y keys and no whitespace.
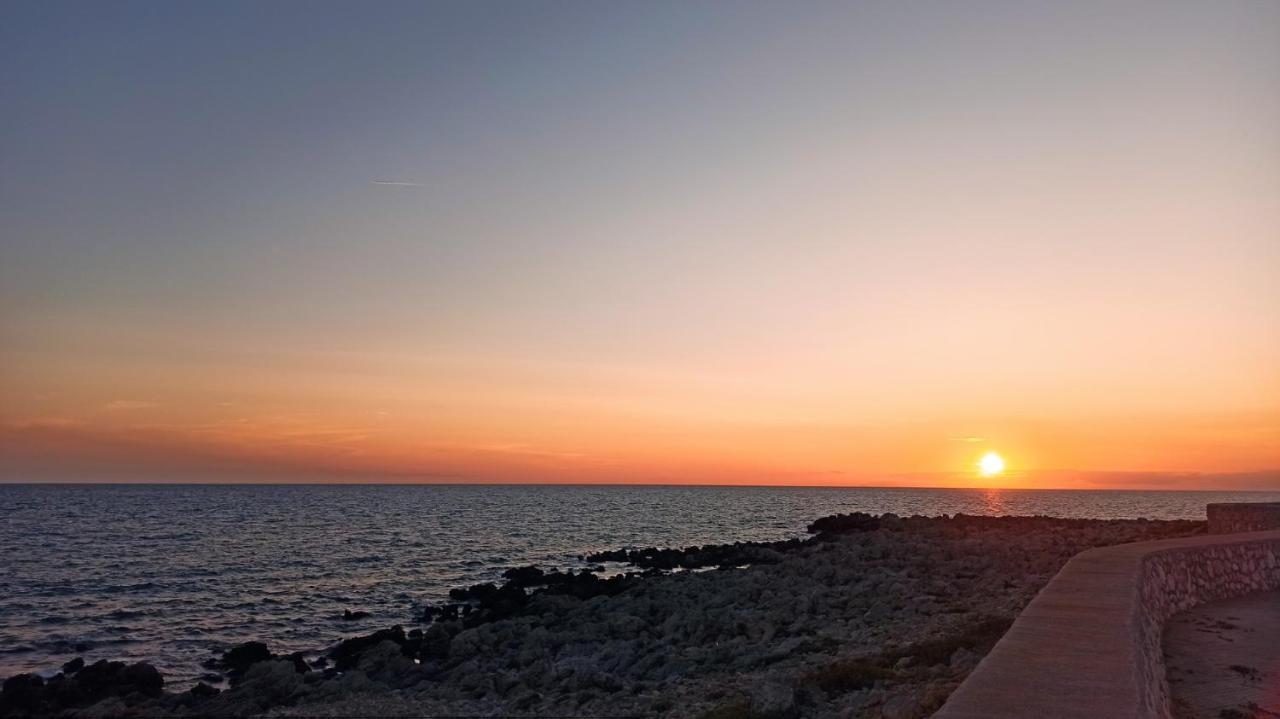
{"x":204,"y":690}
{"x":347,"y":653}
{"x":524,"y":576}
{"x":264,"y":685}
{"x":385,"y":662}
{"x":104,"y":678}
{"x":22,"y":693}
{"x":236,"y":660}
{"x":845,"y":523}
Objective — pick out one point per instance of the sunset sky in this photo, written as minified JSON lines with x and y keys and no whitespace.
{"x":846,"y":243}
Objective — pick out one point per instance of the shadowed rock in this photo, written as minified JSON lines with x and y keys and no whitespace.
{"x":30,"y":695}
{"x":348,"y":652}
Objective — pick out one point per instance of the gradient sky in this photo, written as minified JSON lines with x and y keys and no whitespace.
{"x":848,"y":243}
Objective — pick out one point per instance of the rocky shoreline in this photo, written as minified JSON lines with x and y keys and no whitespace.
{"x":870,"y":617}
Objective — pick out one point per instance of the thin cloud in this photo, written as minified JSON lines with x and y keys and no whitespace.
{"x":127,"y":404}
{"x":396,"y":183}
{"x":967,"y":439}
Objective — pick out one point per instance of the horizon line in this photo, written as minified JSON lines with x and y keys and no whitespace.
{"x":305,"y":483}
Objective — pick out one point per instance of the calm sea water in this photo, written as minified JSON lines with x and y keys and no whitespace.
{"x":170,"y":573}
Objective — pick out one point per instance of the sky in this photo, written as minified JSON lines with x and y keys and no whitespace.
{"x":748,"y":243}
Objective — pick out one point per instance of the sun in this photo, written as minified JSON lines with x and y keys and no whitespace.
{"x":991,"y":465}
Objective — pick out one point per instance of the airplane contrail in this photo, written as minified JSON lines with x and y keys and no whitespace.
{"x":396,"y":183}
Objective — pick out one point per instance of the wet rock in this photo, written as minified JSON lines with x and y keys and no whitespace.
{"x":348,"y":652}
{"x":203,"y":691}
{"x":711,"y":555}
{"x":22,"y":692}
{"x":28,"y":694}
{"x":298,"y":661}
{"x":476,"y":592}
{"x":238,"y":659}
{"x":104,"y":678}
{"x":845,"y":524}
{"x":524,"y":576}
{"x":73,"y":666}
{"x":350,"y":616}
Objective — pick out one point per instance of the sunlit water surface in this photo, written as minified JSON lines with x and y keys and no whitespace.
{"x":170,"y":573}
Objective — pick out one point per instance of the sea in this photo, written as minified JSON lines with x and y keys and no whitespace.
{"x":171,"y":574}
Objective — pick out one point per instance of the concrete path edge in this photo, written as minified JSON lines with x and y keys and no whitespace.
{"x":1089,"y":644}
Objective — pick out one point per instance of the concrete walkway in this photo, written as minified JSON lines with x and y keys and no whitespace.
{"x":1223,"y":659}
{"x":1089,"y":645}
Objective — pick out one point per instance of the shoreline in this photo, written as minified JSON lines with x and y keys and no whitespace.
{"x":869,"y":616}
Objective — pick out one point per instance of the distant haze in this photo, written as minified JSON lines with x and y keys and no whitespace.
{"x":814,"y":243}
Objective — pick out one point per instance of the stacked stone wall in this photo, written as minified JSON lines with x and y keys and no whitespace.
{"x":1243,"y":517}
{"x":1175,"y":580}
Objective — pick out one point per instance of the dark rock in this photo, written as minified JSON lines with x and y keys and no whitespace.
{"x":386,"y":663}
{"x":73,"y":666}
{"x":299,"y":663}
{"x":474,"y":593}
{"x":611,"y":555}
{"x":29,"y":694}
{"x":265,"y":684}
{"x":348,"y":652}
{"x":845,"y":524}
{"x":348,"y":615}
{"x":435,"y":642}
{"x":204,"y":691}
{"x":24,"y":692}
{"x":711,"y":555}
{"x":104,"y":678}
{"x":238,"y":659}
{"x":443,"y":613}
{"x":524,"y":576}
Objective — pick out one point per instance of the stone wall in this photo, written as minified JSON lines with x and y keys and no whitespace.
{"x":1178,"y":579}
{"x":1243,"y":517}
{"x":1089,"y":644}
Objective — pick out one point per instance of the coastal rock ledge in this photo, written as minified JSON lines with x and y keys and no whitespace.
{"x":871,"y":617}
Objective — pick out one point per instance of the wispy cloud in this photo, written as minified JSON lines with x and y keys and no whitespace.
{"x":969,"y":440}
{"x":396,"y":183}
{"x":127,"y":404}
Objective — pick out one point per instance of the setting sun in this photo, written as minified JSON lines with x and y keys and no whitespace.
{"x":991,"y":465}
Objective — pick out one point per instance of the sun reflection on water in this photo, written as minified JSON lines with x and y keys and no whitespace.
{"x":993,"y":501}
